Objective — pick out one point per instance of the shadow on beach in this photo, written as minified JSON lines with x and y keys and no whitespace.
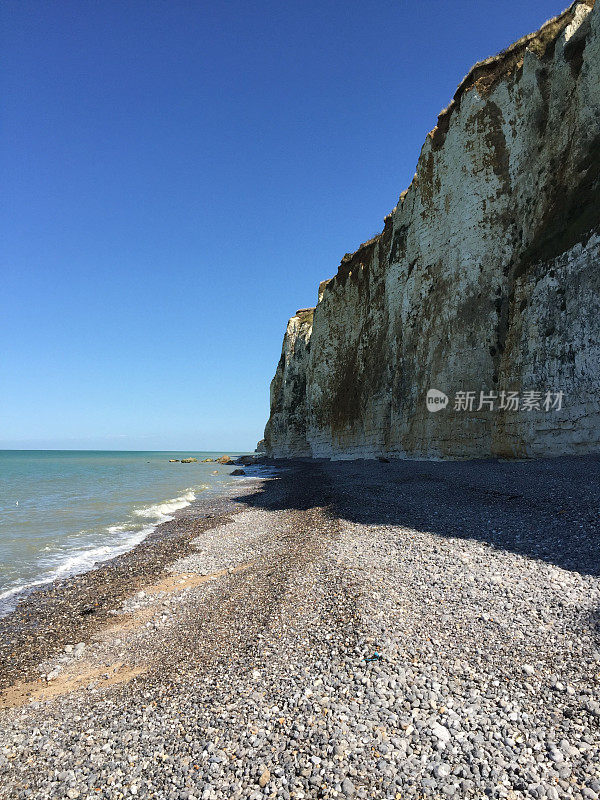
{"x":547,"y":509}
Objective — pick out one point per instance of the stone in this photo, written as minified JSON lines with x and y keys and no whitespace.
{"x":441,"y":771}
{"x":593,"y":707}
{"x":442,"y":733}
{"x":238,"y":472}
{"x":264,"y":778}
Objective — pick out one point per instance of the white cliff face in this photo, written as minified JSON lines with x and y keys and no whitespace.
{"x":486,"y":277}
{"x":287,"y":423}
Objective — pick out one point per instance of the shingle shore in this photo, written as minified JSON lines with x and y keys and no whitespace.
{"x":364,"y":630}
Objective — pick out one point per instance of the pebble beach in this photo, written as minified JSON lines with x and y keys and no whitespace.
{"x":337,"y":630}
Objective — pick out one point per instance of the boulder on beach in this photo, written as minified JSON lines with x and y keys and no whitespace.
{"x":207,"y":460}
{"x":225,"y":460}
{"x":238,"y":472}
{"x":173,"y":461}
{"x":188,"y":460}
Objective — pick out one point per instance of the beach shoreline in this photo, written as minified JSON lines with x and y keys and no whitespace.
{"x":64,"y":512}
{"x":53,"y":615}
{"x":344,"y":629}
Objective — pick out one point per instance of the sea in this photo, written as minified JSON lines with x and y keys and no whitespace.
{"x":64,"y":511}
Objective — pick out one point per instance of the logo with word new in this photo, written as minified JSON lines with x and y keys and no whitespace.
{"x":436,"y":400}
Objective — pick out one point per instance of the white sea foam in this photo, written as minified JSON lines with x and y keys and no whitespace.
{"x":122,"y":538}
{"x":163,"y":511}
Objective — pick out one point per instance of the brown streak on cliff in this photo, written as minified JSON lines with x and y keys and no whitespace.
{"x":367,"y":355}
{"x":499,"y":159}
{"x":352,"y":263}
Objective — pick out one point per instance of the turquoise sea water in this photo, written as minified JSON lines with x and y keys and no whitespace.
{"x":61,"y":512}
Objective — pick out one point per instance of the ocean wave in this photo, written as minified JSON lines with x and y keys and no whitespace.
{"x":122,"y":539}
{"x":81,"y":561}
{"x":163,"y":511}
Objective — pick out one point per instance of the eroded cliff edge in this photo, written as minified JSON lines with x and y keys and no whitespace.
{"x":486,"y":277}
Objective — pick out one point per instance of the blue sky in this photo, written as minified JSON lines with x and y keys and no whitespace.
{"x":177,"y":179}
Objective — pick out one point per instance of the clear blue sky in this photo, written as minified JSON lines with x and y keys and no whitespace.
{"x":177,"y":177}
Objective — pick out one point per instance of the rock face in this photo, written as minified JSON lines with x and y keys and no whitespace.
{"x":485,"y":278}
{"x":287,"y":425}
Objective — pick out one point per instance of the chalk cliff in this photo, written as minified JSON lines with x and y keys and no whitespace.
{"x":485,"y":278}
